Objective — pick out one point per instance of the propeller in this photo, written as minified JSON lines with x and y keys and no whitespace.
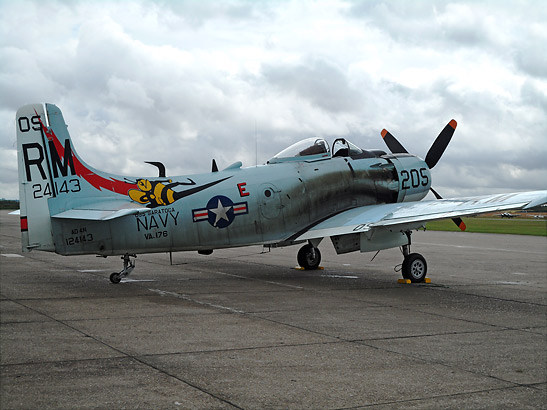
{"x":433,"y":155}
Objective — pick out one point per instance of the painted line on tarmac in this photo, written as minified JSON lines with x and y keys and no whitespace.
{"x":477,"y":248}
{"x":126,"y":280}
{"x":260,"y":280}
{"x":199,"y":302}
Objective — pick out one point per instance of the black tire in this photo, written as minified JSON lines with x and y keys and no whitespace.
{"x":414,"y":268}
{"x":309,"y":257}
{"x":115,"y":277}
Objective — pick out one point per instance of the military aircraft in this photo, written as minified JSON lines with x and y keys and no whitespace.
{"x":364,"y":200}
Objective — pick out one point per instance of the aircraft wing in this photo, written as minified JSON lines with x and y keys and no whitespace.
{"x":102,"y":211}
{"x":410,"y":215}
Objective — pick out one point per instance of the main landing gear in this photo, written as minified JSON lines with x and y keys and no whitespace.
{"x":414,"y":265}
{"x":309,"y":257}
{"x":128,"y":266}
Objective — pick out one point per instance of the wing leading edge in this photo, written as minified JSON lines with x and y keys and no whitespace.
{"x":409,"y":215}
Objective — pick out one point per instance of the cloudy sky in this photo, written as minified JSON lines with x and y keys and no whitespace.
{"x":183,"y":82}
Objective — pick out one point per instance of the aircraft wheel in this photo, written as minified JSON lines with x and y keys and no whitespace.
{"x":414,"y":268}
{"x":115,"y":278}
{"x":309,"y":257}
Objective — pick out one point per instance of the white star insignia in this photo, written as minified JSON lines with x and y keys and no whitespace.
{"x":221,"y":212}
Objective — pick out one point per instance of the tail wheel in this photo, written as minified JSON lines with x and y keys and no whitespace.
{"x":115,"y":278}
{"x":128,"y":266}
{"x":309,"y":257}
{"x":414,"y":268}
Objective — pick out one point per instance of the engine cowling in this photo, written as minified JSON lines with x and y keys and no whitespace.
{"x":414,"y":177}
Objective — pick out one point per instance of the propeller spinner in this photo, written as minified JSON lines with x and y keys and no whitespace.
{"x":433,"y":155}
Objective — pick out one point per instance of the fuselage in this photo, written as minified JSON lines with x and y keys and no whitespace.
{"x":267,"y":204}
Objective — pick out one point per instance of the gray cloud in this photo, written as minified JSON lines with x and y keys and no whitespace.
{"x":317,"y":81}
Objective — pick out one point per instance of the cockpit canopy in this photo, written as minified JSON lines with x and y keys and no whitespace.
{"x":313,"y":149}
{"x":305,"y":150}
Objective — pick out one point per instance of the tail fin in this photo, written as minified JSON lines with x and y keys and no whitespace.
{"x":52,"y":177}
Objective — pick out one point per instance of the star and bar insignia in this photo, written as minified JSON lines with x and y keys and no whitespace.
{"x":220,"y":211}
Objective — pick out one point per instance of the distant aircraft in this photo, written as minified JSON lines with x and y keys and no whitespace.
{"x":363,"y":200}
{"x":508,"y":215}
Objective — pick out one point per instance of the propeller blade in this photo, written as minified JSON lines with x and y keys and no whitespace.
{"x":436,"y":194}
{"x":440,"y":144}
{"x":214,"y":166}
{"x":394,"y":146}
{"x":458,"y":221}
{"x":460,"y":224}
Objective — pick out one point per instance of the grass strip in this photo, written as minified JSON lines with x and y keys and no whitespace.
{"x":536,"y":227}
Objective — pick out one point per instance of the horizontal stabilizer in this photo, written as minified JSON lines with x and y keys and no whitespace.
{"x":102,"y":211}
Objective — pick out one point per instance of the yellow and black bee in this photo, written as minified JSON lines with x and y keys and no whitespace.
{"x":155,"y":193}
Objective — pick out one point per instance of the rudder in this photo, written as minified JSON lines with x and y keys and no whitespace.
{"x":35,"y":182}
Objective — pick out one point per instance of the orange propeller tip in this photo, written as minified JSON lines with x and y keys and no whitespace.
{"x":462,"y":226}
{"x":453,"y":124}
{"x":384,"y":132}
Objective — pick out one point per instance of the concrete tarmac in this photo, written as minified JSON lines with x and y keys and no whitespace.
{"x":242,"y":329}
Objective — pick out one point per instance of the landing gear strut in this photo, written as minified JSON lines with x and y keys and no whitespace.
{"x":128,"y":266}
{"x":309,"y":257}
{"x":414,"y":264}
